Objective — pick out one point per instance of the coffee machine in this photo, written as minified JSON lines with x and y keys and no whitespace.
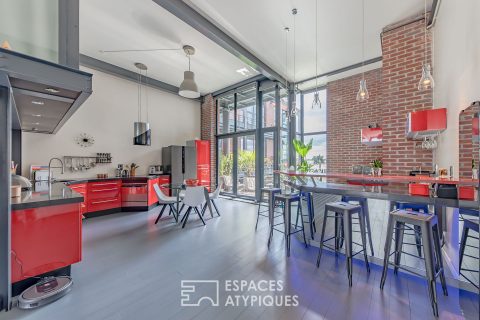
{"x":155,"y":169}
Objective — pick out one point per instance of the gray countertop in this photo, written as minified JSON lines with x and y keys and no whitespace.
{"x":390,"y":192}
{"x":49,"y":195}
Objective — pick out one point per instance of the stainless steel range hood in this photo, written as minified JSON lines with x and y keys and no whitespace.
{"x":45,"y":94}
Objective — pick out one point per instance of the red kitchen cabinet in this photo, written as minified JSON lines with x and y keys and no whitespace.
{"x":82,"y":189}
{"x":203,"y":162}
{"x":45,"y":239}
{"x":426,"y":123}
{"x":104,"y":195}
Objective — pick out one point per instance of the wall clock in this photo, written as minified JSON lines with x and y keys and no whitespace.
{"x":85,"y":140}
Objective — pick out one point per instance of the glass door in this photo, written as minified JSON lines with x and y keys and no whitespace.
{"x":246,"y":168}
{"x":225,"y":165}
{"x":268,"y":163}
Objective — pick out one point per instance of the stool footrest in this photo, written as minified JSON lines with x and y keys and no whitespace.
{"x":470,"y":256}
{"x":470,"y":270}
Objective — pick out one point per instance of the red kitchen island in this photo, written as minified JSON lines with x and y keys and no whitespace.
{"x":46,"y":234}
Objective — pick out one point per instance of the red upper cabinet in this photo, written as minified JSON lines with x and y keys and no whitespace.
{"x":426,"y":123}
{"x":372,"y":137}
{"x":203,"y":161}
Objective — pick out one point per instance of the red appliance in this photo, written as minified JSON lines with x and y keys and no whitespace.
{"x":466,"y":192}
{"x":372,"y":137}
{"x":426,"y":123}
{"x":419,"y":189}
{"x":203,"y":161}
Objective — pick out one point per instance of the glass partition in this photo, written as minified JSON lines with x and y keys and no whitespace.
{"x":31,"y":27}
{"x":246,"y":166}
{"x":247,"y":108}
{"x":225,"y":164}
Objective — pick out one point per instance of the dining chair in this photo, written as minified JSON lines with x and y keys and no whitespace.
{"x":212,"y":197}
{"x":194,"y":198}
{"x":165,"y":201}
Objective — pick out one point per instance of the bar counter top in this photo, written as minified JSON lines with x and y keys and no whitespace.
{"x":393,"y":192}
{"x":382,"y":179}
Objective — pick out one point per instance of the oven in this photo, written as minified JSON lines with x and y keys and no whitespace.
{"x":134,"y":194}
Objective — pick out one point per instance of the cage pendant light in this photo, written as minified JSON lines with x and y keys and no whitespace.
{"x":141,"y":130}
{"x":316,"y":104}
{"x":362,"y":94}
{"x":294,"y":111}
{"x":426,"y":81}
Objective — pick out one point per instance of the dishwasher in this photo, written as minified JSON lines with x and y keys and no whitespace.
{"x":134,"y":194}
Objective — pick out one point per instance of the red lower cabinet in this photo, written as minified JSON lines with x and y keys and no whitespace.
{"x":104,"y":195}
{"x":82,"y":189}
{"x":45,"y":239}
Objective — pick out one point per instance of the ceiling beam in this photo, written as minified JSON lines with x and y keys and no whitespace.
{"x":341,"y":70}
{"x":117,"y":71}
{"x":191,"y":17}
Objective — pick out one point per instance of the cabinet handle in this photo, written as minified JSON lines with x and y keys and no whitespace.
{"x":104,"y":184}
{"x":104,"y":201}
{"x":112,"y":189}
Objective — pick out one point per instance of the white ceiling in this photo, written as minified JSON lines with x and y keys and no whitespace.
{"x":142,"y":24}
{"x":257,"y":25}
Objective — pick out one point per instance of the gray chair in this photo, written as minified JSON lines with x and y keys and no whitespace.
{"x":270,"y":203}
{"x":397,"y":221}
{"x":165,"y":201}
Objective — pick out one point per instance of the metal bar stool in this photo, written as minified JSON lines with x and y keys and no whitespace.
{"x":428,"y":224}
{"x":287,"y":200}
{"x":270,"y":193}
{"x":417,"y":233}
{"x":468,"y":225}
{"x":363,"y":202}
{"x":344,"y":211}
{"x":308,"y":197}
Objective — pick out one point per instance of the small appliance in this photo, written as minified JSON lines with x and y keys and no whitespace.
{"x":44,"y":292}
{"x":155,"y":169}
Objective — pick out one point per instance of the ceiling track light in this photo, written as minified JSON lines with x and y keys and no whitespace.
{"x":426,"y":81}
{"x":362,"y":94}
{"x":188,"y":88}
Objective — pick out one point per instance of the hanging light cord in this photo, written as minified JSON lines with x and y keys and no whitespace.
{"x":363,"y":39}
{"x":286,"y":56}
{"x":139,"y":112}
{"x":146,"y":92}
{"x":316,"y":46}
{"x":294,"y":49}
{"x":425,"y":43}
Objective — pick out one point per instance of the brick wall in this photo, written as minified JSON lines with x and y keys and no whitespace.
{"x":345,"y":118}
{"x":393,"y":93}
{"x":403,"y":56}
{"x":468,"y":149}
{"x":208,"y":121}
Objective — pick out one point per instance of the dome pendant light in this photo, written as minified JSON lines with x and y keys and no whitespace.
{"x":426,"y":81}
{"x":141,"y":130}
{"x":362,"y":94}
{"x":316,"y":104}
{"x":188,"y":88}
{"x":294,"y":111}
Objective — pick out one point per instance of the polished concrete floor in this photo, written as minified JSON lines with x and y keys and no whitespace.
{"x":132,"y":269}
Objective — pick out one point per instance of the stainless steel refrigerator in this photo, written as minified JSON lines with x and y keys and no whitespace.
{"x":180,"y":163}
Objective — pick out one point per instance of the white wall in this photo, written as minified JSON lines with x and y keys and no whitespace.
{"x":108,"y":115}
{"x":456,"y":69}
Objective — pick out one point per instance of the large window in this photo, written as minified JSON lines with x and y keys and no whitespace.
{"x":247,"y":108}
{"x":315,"y":129}
{"x":226,"y":114}
{"x":269,"y":109}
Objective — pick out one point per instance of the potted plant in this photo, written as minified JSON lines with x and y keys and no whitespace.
{"x":133,"y":167}
{"x":377,"y":166}
{"x":303,"y":149}
{"x":226,"y":169}
{"x":246,"y":164}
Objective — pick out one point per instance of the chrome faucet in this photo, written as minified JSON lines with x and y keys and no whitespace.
{"x":50,"y":177}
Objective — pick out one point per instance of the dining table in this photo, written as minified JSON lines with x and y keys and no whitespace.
{"x":178,"y":188}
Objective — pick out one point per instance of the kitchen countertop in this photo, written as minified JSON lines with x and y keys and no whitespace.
{"x":71,"y":181}
{"x":57,"y":194}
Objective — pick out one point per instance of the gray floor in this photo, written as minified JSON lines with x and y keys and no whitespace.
{"x":132,"y":269}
